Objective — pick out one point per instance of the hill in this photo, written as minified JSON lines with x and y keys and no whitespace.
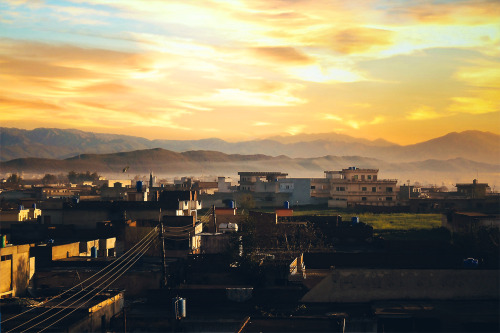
{"x":168,"y":163}
{"x":59,"y":144}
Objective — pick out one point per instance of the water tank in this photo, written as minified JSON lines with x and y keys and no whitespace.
{"x":286,"y":204}
{"x":93,"y":252}
{"x":354,"y":220}
{"x":33,"y":206}
{"x":21,"y":207}
{"x":182,"y":307}
{"x":3,"y":241}
{"x":76,"y":200}
{"x":179,"y":307}
{"x":231,"y":204}
{"x":471,"y":263}
{"x":138,"y":186}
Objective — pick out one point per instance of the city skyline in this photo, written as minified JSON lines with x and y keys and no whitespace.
{"x":402,"y":71}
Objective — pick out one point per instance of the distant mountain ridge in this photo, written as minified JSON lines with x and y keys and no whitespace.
{"x":169,"y":163}
{"x":63,"y":143}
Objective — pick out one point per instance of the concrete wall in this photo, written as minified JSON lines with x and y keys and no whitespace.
{"x":14,"y":215}
{"x":15,"y":270}
{"x":135,"y":234}
{"x":364,"y":285}
{"x":86,"y":247}
{"x":299,"y":188}
{"x":65,"y":251}
{"x":214,"y":243}
{"x":93,"y":322}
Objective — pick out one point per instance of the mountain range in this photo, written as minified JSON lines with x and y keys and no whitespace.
{"x":168,"y":163}
{"x":483,"y":147}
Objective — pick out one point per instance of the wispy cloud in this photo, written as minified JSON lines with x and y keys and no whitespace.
{"x":282,"y":54}
{"x":332,"y":117}
{"x":295,"y":129}
{"x":238,"y":97}
{"x":211,"y":64}
{"x":261,"y":123}
{"x":423,"y":112}
{"x":476,"y":105}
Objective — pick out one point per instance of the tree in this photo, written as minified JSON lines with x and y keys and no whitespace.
{"x":49,"y":179}
{"x":72,"y":177}
{"x":14,"y":179}
{"x":75,"y":177}
{"x":246,"y":202}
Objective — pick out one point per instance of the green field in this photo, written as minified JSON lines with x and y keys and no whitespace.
{"x":390,"y":226}
{"x":398,"y":226}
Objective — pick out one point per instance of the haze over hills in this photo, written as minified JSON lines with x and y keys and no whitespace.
{"x":170,"y":164}
{"x":63,"y":143}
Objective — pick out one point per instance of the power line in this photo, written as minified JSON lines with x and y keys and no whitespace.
{"x":60,"y":303}
{"x":138,"y":255}
{"x":81,"y":283}
{"x":123,"y":259}
{"x":107,"y":286}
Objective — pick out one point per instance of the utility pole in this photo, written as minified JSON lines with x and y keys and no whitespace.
{"x":164,"y":263}
{"x":213,"y":214}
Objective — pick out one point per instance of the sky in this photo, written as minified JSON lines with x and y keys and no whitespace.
{"x":404,"y":71}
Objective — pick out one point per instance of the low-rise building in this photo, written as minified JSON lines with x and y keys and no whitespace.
{"x":16,"y":270}
{"x":86,"y":214}
{"x":259,"y":181}
{"x":354,"y":186}
{"x":473,"y":191}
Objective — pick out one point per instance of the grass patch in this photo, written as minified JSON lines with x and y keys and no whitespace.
{"x":398,"y":221}
{"x":393,"y":226}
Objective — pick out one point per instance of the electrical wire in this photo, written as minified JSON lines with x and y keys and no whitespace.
{"x":83,"y":289}
{"x":111,"y":264}
{"x":107,"y":286}
{"x":122,"y":258}
{"x":138,"y":256}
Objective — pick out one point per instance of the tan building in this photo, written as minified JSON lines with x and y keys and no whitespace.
{"x":16,"y":270}
{"x":264,"y":181}
{"x":20,"y":215}
{"x":320,"y":187}
{"x":354,"y":186}
{"x":473,"y":191}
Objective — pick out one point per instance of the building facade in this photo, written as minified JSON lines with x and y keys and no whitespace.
{"x":354,"y":186}
{"x":260,"y":181}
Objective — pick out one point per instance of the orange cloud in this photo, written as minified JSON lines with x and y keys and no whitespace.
{"x":467,"y":12}
{"x":358,"y":40}
{"x":424,"y":113}
{"x":282,"y":55}
{"x":19,"y":104}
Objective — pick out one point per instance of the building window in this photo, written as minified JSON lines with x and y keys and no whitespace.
{"x":340,"y":188}
{"x":6,"y":257}
{"x":362,"y":177}
{"x":374,"y":189}
{"x":388,"y":189}
{"x":313,"y":187}
{"x":363,"y":189}
{"x":363,"y":198}
{"x":369,"y":176}
{"x":388,"y":199}
{"x":355,"y":177}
